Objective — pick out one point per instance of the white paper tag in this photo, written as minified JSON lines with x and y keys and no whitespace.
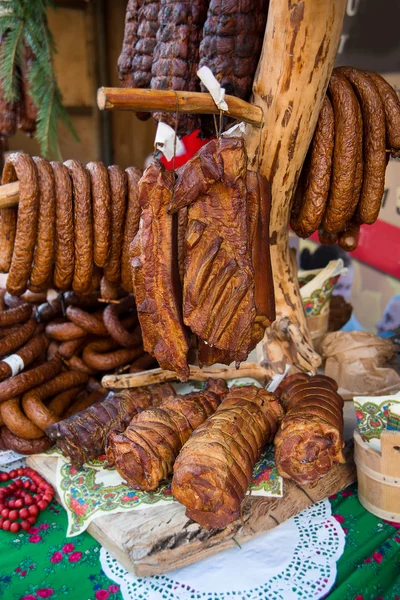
{"x":165,"y":141}
{"x":15,"y":362}
{"x":237,"y":130}
{"x":214,"y":87}
{"x":277,"y":379}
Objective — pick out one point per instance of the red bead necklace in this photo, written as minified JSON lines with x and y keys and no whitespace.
{"x":17,"y":503}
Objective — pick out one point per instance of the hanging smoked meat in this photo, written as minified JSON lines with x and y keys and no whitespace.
{"x":144,"y":454}
{"x":231,"y":46}
{"x":228,"y":292}
{"x":310,"y":439}
{"x":125,"y":69}
{"x":83,"y":435}
{"x":214,"y":468}
{"x":176,"y":54}
{"x":232,"y":41}
{"x":144,"y":50}
{"x":155,"y":275}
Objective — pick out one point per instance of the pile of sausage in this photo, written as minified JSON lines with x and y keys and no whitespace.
{"x":50,"y":364}
{"x":342,"y":181}
{"x":72,"y":228}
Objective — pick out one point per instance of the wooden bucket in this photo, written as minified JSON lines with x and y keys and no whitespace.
{"x":379,"y":475}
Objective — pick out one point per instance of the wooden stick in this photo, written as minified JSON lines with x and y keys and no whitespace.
{"x":9,"y":195}
{"x":139,"y":100}
{"x":132,"y":380}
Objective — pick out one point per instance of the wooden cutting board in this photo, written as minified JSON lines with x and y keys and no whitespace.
{"x":160,"y":539}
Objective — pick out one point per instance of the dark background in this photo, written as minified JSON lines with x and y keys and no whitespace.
{"x":371,"y":36}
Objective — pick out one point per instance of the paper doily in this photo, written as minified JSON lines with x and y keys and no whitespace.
{"x":295,"y":560}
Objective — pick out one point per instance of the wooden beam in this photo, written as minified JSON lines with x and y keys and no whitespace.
{"x":299,"y":49}
{"x":139,"y":100}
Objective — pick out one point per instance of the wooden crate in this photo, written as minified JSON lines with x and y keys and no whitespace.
{"x":379,"y":475}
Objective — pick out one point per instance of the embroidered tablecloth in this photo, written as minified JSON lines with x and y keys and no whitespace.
{"x":43,"y":563}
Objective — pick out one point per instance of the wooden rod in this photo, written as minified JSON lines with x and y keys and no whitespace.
{"x":132,"y":380}
{"x":140,"y":100}
{"x":9,"y":195}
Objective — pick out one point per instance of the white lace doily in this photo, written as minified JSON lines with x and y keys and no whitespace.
{"x":294,"y":561}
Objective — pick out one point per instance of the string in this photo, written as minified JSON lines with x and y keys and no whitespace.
{"x":215,"y":125}
{"x":176,"y":127}
{"x":259,"y":140}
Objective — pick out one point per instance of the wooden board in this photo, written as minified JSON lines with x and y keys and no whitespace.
{"x":160,"y":539}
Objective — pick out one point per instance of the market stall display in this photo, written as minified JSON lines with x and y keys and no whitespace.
{"x":197,"y":257}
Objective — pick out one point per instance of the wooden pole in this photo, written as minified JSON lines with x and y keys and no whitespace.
{"x":131,"y":380}
{"x":300,"y":45}
{"x":139,"y":100}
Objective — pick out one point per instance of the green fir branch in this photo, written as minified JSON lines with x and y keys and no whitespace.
{"x":10,"y":59}
{"x":24,"y":23}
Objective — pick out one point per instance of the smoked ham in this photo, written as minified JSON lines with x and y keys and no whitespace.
{"x":83,"y":435}
{"x":228,"y":297}
{"x":154,"y":264}
{"x":144,"y":454}
{"x":214,"y":468}
{"x":310,"y":439}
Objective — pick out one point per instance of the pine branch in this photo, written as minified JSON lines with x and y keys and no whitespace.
{"x":24,"y":23}
{"x":10,"y":59}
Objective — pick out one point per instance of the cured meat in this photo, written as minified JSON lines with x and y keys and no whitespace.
{"x":391,"y":104}
{"x":125,"y":70}
{"x":144,"y":49}
{"x":131,"y":224}
{"x":42,"y":269}
{"x":20,"y":167}
{"x":315,"y":179}
{"x":232,"y":41}
{"x":310,"y":439}
{"x":155,"y":273}
{"x":146,"y":41}
{"x":374,"y":144}
{"x":258,"y":213}
{"x":214,"y":468}
{"x":176,"y":54}
{"x":218,"y":293}
{"x":346,"y":154}
{"x":83,"y":435}
{"x":144,"y":454}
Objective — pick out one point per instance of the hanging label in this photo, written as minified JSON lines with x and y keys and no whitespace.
{"x":277,"y":379}
{"x":214,"y":87}
{"x":237,"y":130}
{"x":15,"y":362}
{"x":165,"y":141}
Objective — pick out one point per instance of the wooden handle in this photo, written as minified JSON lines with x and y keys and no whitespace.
{"x":139,"y":100}
{"x":9,"y":195}
{"x":132,"y":380}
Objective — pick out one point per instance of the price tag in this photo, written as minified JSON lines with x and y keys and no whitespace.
{"x":277,"y":379}
{"x":165,"y":141}
{"x":214,"y":87}
{"x":15,"y":362}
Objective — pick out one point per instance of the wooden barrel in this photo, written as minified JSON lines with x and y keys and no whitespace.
{"x":379,"y":475}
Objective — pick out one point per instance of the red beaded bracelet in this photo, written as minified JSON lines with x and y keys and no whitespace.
{"x":17,"y":503}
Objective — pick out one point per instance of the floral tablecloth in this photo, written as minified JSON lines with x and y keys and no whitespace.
{"x":43,"y":563}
